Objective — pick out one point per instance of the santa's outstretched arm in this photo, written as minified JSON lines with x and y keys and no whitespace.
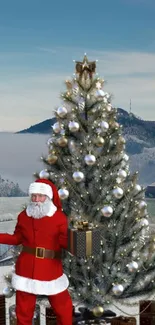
{"x":14,"y":239}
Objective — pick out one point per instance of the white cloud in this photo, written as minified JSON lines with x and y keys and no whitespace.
{"x":34,"y":96}
{"x":20,"y":156}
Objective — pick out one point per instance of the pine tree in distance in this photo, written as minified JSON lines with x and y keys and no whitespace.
{"x":88,"y":164}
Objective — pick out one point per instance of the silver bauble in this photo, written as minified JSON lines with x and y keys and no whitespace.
{"x":117,"y":289}
{"x":73,"y":126}
{"x":62,"y":111}
{"x":122,"y":174}
{"x":144,"y":222}
{"x":100,"y":93}
{"x":63,"y":193}
{"x":132,"y":267}
{"x":8,"y":292}
{"x":78,"y":176}
{"x":104,"y":126}
{"x":56,"y":127}
{"x":44,"y":174}
{"x":118,"y":192}
{"x":90,"y":160}
{"x":107,"y":211}
{"x":142,"y":205}
{"x":137,"y":188}
{"x":125,"y":157}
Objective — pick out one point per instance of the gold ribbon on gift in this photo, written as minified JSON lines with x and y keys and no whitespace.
{"x":86,"y":227}
{"x":82,"y":225}
{"x":88,"y":242}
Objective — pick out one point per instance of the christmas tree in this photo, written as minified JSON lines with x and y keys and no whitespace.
{"x":88,"y":164}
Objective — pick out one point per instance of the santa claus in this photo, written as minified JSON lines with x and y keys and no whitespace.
{"x":42,"y":230}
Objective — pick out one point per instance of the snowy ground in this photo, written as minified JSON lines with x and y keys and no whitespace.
{"x":9,"y":209}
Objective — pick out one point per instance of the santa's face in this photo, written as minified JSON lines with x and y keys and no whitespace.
{"x":39,"y":206}
{"x":38,"y":198}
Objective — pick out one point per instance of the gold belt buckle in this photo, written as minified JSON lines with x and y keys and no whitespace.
{"x":43,"y":252}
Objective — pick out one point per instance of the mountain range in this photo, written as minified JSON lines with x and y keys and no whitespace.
{"x":139,"y":134}
{"x":140,"y":142}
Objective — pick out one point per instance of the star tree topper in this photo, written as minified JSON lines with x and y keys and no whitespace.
{"x":85,"y":66}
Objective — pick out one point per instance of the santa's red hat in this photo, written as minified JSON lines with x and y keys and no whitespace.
{"x":46,"y":187}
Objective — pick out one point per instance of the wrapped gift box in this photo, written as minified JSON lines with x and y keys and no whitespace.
{"x":50,"y":316}
{"x":88,"y":317}
{"x":147,"y":312}
{"x":121,"y":320}
{"x":88,"y":314}
{"x":91,"y":322}
{"x":13,"y":319}
{"x":2,"y":310}
{"x":84,"y":242}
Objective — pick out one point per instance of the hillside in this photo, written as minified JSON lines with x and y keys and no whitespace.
{"x":41,"y":128}
{"x":140,"y":142}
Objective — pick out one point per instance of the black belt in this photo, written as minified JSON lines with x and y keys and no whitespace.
{"x":41,"y":252}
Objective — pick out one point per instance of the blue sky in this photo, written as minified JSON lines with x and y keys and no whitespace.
{"x":40,"y":39}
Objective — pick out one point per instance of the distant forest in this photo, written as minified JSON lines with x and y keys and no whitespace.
{"x":10,"y":189}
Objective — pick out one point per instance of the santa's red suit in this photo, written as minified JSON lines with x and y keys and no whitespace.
{"x":38,"y":268}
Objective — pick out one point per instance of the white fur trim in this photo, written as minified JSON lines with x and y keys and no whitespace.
{"x":41,"y":188}
{"x":38,"y":287}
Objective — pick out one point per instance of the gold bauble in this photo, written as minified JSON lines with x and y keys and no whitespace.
{"x":52,"y":158}
{"x":62,"y":142}
{"x":115,"y":125}
{"x":99,"y":141}
{"x":98,"y":311}
{"x":8,"y":277}
{"x":121,"y":140}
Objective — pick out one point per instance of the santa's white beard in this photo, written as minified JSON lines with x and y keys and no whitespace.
{"x":38,"y":210}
